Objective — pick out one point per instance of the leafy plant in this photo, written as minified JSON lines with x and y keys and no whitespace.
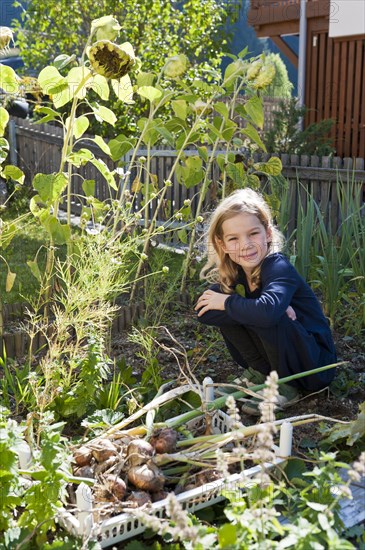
{"x":285,"y":136}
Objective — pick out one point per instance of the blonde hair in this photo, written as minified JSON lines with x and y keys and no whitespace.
{"x":219,"y":267}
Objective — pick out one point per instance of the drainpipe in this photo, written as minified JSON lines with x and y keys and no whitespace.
{"x":302,"y":56}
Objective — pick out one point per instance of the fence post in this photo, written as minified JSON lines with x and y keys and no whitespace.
{"x":12,"y":143}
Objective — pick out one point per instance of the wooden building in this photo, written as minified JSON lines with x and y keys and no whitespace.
{"x":335,"y":60}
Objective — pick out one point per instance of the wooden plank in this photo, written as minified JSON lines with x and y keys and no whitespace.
{"x":322,"y":50}
{"x":335,"y":93}
{"x":362,"y":107}
{"x":359,"y":67}
{"x":349,"y":101}
{"x":328,"y":94}
{"x":342,"y":103}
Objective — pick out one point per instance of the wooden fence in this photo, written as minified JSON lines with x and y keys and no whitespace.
{"x":38,"y":149}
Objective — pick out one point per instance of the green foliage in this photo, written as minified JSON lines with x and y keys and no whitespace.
{"x":347,"y":439}
{"x":157,"y":29}
{"x":285,"y":136}
{"x":281,"y":85}
{"x":37,"y":493}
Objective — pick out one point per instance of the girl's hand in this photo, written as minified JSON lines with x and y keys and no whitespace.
{"x":210,"y":300}
{"x":291,"y":313}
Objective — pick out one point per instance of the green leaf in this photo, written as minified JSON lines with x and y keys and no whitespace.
{"x":61,"y":233}
{"x":229,"y":130}
{"x":180,"y":108}
{"x":10,"y":279}
{"x":49,"y":78}
{"x":203,"y":153}
{"x":120,"y":146}
{"x":81,"y":124}
{"x":272,"y":167}
{"x":50,"y":186}
{"x":123,"y":89}
{"x":33,"y":266}
{"x":227,"y":535}
{"x":4,"y":119}
{"x":103,"y":146}
{"x":251,"y":180}
{"x":9,"y":81}
{"x":80,"y":158}
{"x":100,"y":85}
{"x":235,"y":172}
{"x":78,"y":80}
{"x":145,"y":79}
{"x":166,"y":135}
{"x":88,"y":187}
{"x":192,"y":173}
{"x":105,"y":114}
{"x":51,"y":114}
{"x":104,"y":171}
{"x":255,"y":110}
{"x":222,"y":109}
{"x":295,"y":468}
{"x":183,"y":235}
{"x":14,"y":173}
{"x":150,"y":93}
{"x":253,"y":134}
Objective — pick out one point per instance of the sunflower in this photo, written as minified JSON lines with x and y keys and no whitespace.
{"x":110,"y":60}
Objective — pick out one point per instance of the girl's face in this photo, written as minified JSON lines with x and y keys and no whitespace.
{"x":245,"y":241}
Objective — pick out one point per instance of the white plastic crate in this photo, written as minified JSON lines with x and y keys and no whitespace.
{"x":126,"y":525}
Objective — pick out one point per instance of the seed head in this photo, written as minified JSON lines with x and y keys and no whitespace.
{"x":6,"y":36}
{"x":175,"y":66}
{"x":105,"y":28}
{"x":110,"y":60}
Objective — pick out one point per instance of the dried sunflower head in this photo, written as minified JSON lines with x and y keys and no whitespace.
{"x":265,"y":77}
{"x":105,"y":28}
{"x":6,"y":36}
{"x":175,"y":66}
{"x":111,"y":60}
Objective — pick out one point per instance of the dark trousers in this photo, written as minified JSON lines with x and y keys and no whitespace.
{"x":287,"y":348}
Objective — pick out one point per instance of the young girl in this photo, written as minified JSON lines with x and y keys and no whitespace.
{"x":269,"y":317}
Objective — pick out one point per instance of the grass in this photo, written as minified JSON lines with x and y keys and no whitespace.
{"x":24,"y":247}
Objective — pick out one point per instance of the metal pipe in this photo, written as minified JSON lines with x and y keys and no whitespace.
{"x":302,"y":55}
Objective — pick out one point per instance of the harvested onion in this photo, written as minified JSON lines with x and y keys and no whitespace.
{"x":146,"y":477}
{"x":138,"y":498}
{"x":116,"y":486}
{"x":139,"y":452}
{"x":103,"y":450}
{"x":164,"y":440}
{"x":83,"y":456}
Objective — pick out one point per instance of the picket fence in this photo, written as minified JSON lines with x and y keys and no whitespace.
{"x":37,"y":148}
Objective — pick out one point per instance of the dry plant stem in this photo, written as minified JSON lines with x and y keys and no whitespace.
{"x":164,"y":191}
{"x":220,"y":402}
{"x":155,"y":403}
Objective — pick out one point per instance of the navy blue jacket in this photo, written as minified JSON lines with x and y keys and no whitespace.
{"x":281,"y":286}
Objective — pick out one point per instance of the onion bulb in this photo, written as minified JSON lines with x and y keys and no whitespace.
{"x":83,"y":456}
{"x":164,"y":440}
{"x":103,"y":450}
{"x":139,"y":452}
{"x":146,"y":477}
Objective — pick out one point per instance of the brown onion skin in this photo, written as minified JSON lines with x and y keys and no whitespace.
{"x":84,"y":471}
{"x":146,"y":477}
{"x":139,"y":498}
{"x":83,"y":456}
{"x":103,"y":450}
{"x":116,"y":486}
{"x":159,"y":495}
{"x":164,"y":441}
{"x":139,"y":452}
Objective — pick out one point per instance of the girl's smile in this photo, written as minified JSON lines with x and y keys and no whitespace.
{"x":245,"y":240}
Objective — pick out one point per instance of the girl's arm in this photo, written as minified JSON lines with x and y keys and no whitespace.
{"x":279,"y":283}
